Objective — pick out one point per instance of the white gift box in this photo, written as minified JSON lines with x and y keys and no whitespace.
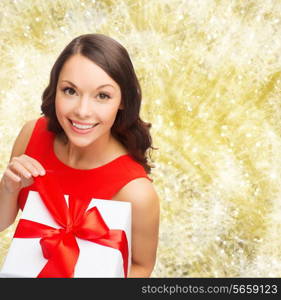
{"x":25,"y":257}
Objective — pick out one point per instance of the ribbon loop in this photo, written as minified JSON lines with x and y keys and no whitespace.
{"x":92,"y":225}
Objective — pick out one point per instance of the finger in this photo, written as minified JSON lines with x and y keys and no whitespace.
{"x":29,"y":164}
{"x":36,"y":164}
{"x":8,"y":173}
{"x":18,"y":169}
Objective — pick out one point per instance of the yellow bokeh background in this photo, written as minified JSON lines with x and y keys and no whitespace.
{"x":210,"y":73}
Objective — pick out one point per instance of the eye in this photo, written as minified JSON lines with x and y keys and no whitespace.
{"x":103,"y":96}
{"x":69,"y":91}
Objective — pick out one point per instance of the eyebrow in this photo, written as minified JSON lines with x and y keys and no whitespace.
{"x":101,"y":86}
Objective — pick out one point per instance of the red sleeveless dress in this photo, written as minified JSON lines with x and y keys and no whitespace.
{"x":102,"y":182}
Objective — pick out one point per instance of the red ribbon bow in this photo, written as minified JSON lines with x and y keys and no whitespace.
{"x":59,"y":246}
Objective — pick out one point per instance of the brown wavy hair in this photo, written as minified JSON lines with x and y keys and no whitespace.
{"x":113,"y":58}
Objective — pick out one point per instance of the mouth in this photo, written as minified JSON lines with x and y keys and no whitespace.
{"x":82,"y":128}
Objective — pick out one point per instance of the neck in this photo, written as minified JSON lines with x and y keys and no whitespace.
{"x":90,"y":156}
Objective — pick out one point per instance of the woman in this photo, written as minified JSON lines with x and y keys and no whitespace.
{"x":91,"y":135}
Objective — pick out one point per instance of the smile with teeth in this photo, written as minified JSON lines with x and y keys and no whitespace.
{"x":83,"y":127}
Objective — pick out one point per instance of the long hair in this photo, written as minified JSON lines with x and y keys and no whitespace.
{"x":128,"y":128}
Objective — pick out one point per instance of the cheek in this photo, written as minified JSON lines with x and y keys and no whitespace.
{"x":109,"y":115}
{"x":60,"y":106}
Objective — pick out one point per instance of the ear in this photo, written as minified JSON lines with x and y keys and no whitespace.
{"x":121,"y":106}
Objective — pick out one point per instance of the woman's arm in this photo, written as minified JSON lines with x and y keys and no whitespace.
{"x":145,"y":224}
{"x":8,"y":198}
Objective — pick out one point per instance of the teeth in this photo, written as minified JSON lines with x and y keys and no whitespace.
{"x":79,"y":126}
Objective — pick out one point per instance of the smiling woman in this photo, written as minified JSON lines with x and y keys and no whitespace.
{"x":92,"y":140}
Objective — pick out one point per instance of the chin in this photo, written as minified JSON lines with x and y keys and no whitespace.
{"x":81,"y":143}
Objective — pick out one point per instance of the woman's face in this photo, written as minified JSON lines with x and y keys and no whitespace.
{"x":87,"y":101}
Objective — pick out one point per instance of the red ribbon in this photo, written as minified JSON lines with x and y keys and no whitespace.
{"x":59,"y":246}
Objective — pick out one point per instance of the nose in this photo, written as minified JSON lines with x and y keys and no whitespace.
{"x":83,"y":108}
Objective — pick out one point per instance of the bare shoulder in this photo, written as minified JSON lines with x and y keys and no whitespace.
{"x":140,"y":192}
{"x":23,"y":138}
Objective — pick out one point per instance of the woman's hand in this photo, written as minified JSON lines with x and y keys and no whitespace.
{"x":19,"y":173}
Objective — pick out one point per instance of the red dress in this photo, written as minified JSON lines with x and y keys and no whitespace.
{"x":102,"y":182}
